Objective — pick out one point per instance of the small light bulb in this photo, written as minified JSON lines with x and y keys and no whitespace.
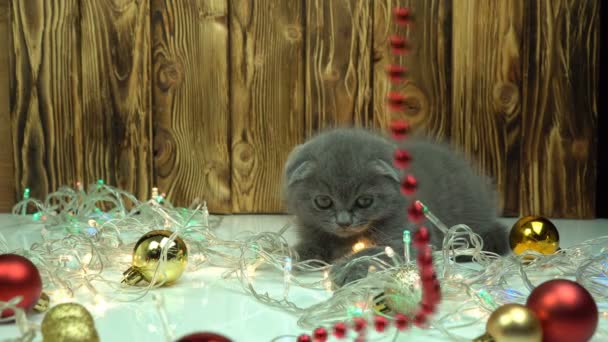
{"x":251,"y":270}
{"x":358,"y":246}
{"x":389,"y":251}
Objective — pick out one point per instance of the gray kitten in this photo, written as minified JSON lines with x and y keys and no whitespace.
{"x":342,"y":187}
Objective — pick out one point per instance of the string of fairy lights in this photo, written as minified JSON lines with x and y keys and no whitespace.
{"x":71,"y":259}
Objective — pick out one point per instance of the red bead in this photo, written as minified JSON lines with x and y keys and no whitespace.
{"x":422,"y":237}
{"x":399,"y":45}
{"x":427,"y":274}
{"x":339,"y":330}
{"x":380,"y":323}
{"x":402,"y":15}
{"x":320,"y":334}
{"x":401,"y":321}
{"x":204,"y":337}
{"x":425,"y":257}
{"x":396,"y":101}
{"x":399,"y":129}
{"x":304,"y":338}
{"x":360,"y":324}
{"x":409,"y":185}
{"x":420,"y":319}
{"x":396,"y":73}
{"x":403,"y":159}
{"x":416,"y":212}
{"x":427,"y":308}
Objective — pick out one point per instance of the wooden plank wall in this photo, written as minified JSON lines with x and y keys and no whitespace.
{"x":206,"y":98}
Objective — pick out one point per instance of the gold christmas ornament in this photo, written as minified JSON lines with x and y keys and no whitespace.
{"x":512,"y":323}
{"x":71,"y":329}
{"x":147,"y":254}
{"x":403,"y":295}
{"x":69,"y":322}
{"x":534,"y":233}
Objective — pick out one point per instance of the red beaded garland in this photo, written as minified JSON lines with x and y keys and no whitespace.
{"x":431,"y":291}
{"x":380,"y":323}
{"x":409,"y":185}
{"x":320,"y":334}
{"x":339,"y":330}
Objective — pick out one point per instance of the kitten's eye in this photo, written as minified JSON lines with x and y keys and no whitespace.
{"x":323,"y":202}
{"x":365,"y":201}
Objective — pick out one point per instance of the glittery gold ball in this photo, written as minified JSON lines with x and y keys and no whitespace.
{"x":147,"y":254}
{"x":71,"y":329}
{"x":402,"y":295}
{"x":514,"y":323}
{"x":534,"y":233}
{"x":64,"y":311}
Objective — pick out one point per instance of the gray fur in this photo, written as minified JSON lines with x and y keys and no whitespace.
{"x":346,"y":163}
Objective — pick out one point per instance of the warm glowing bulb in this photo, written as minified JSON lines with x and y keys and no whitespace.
{"x":358,"y":246}
{"x":251,"y":270}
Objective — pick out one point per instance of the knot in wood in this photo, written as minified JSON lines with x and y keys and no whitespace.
{"x":293,"y":33}
{"x":580,"y":149}
{"x":169,"y":74}
{"x":506,"y":97}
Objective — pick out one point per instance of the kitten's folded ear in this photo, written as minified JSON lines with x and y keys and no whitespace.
{"x":383,"y":168}
{"x":298,"y":166}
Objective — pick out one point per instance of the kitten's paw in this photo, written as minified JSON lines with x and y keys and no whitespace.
{"x":341,"y":275}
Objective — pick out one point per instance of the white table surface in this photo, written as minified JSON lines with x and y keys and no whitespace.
{"x":202,"y":301}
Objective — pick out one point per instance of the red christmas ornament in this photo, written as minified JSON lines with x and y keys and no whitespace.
{"x":320,"y":334}
{"x":204,"y":337}
{"x":19,"y":277}
{"x":304,"y":338}
{"x":409,"y":185}
{"x":340,"y":330}
{"x":401,"y":321}
{"x":415,"y":212}
{"x":566,"y":310}
{"x":396,"y":101}
{"x":403,"y":159}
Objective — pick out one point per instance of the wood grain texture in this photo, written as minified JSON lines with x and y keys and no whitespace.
{"x":45,"y":94}
{"x":191,"y":101}
{"x":7,"y":174}
{"x":267,"y":91}
{"x":486,"y":90}
{"x":428,"y":88}
{"x":116,"y":121}
{"x":338,"y":64}
{"x":559,"y":117}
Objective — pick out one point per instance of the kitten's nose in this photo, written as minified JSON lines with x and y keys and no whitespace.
{"x":344,"y":219}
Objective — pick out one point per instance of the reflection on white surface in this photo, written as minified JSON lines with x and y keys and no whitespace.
{"x":203,"y":301}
